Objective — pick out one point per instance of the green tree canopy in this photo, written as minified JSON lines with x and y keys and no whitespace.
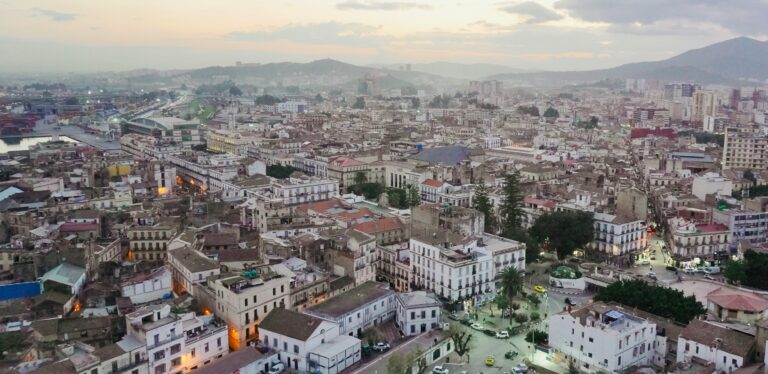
{"x":483,"y":204}
{"x":511,"y":209}
{"x":751,"y":271}
{"x":661,"y":301}
{"x":413,"y":196}
{"x":531,"y":110}
{"x":564,"y":231}
{"x":551,"y":113}
{"x":280,"y":171}
{"x":235,"y":91}
{"x":359,"y":103}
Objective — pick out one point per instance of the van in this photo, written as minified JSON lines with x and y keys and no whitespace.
{"x":689,"y":271}
{"x":712,"y":270}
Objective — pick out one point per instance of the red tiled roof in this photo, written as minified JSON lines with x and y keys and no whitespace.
{"x":540,"y":202}
{"x":736,"y":300}
{"x":381,"y":225}
{"x":644,"y":132}
{"x":433,"y":183}
{"x":78,"y":227}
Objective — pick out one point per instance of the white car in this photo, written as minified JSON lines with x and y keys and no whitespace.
{"x":277,"y":368}
{"x":503,"y":334}
{"x":439,"y":370}
{"x":477,"y":326}
{"x":381,"y":346}
{"x":644,"y":262}
{"x":516,"y":370}
{"x":523,"y":367}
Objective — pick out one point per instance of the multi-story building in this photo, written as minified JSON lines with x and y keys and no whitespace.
{"x":169,"y":129}
{"x":148,"y":239}
{"x":602,"y":337}
{"x":745,"y":149}
{"x":395,"y":266}
{"x":450,"y":266}
{"x":417,"y":312}
{"x":176,"y":343}
{"x":358,"y":309}
{"x":711,"y":184}
{"x":744,"y":225}
{"x":704,"y":104}
{"x":145,"y":287}
{"x":190,"y":268}
{"x":243,"y":300}
{"x":725,"y":348}
{"x":691,"y":240}
{"x":618,"y":235}
{"x":309,"y":344}
{"x":301,"y":190}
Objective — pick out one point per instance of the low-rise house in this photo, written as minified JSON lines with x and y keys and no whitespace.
{"x":729,"y":304}
{"x":146,"y":287}
{"x":725,"y":348}
{"x":190,"y":268}
{"x":248,"y":360}
{"x":307,"y":343}
{"x":417,"y":312}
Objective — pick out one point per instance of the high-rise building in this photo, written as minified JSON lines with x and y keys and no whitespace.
{"x":744,"y":148}
{"x":704,"y":104}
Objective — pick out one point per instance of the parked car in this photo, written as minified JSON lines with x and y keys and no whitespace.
{"x":651,"y":275}
{"x":709,"y":277}
{"x":539,"y":289}
{"x":516,"y":370}
{"x":644,"y":261}
{"x":439,"y":370}
{"x":689,"y":270}
{"x":277,"y":368}
{"x":477,"y":326}
{"x":453,"y":316}
{"x":523,"y":367}
{"x":506,"y":313}
{"x":490,"y":360}
{"x":489,"y":332}
{"x":503,"y":334}
{"x":381,"y":346}
{"x":510,"y":354}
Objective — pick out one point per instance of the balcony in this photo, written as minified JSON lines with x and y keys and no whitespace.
{"x":166,"y":341}
{"x":133,"y":365}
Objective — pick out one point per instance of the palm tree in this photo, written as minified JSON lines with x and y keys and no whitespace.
{"x":511,"y":284}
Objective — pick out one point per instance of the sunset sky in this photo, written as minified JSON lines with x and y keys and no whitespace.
{"x":92,"y":35}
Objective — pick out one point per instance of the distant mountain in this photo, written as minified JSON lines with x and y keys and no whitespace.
{"x":724,"y":63}
{"x":457,"y":70}
{"x":325,"y":72}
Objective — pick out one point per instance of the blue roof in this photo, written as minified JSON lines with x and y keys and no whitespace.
{"x":449,"y":155}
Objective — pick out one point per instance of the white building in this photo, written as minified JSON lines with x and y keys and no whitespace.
{"x":417,"y":312}
{"x":727,"y":349}
{"x":602,"y":337}
{"x":451,"y":267}
{"x":618,"y":235}
{"x":244,"y":299}
{"x":170,"y":337}
{"x":711,"y":183}
{"x":690,"y":240}
{"x":143,"y":288}
{"x":309,"y":344}
{"x":358,"y":309}
{"x":291,"y":107}
{"x":190,"y":268}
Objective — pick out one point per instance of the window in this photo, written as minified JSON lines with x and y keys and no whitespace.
{"x":254,"y":299}
{"x":95,"y":371}
{"x":246,"y":301}
{"x":285,"y":346}
{"x":591,"y":340}
{"x":218,"y":342}
{"x":265,"y":308}
{"x":159,"y":355}
{"x":295,"y":349}
{"x":274,"y":342}
{"x":282,"y":288}
{"x":176,"y":361}
{"x":192,"y":353}
{"x":413,"y":329}
{"x":619,"y":360}
{"x":160,"y":369}
{"x":434,"y":313}
{"x":114,"y":366}
{"x":274,"y":291}
{"x":175,"y":349}
{"x":413,"y":315}
{"x":206,"y":347}
{"x":247,"y":332}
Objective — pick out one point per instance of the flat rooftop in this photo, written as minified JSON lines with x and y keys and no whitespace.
{"x":351,"y":300}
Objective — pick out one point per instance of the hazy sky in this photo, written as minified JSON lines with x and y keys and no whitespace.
{"x":101,"y":35}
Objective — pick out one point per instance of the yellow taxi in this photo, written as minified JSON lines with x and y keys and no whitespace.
{"x":490,"y":360}
{"x":539,"y":289}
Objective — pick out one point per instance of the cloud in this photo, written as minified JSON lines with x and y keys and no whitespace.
{"x":542,"y":56}
{"x":54,"y":15}
{"x":315,"y":33}
{"x":747,"y":17}
{"x":381,"y":5}
{"x":533,"y":12}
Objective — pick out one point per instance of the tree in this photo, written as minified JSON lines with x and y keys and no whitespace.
{"x":537,"y":337}
{"x":551,"y":113}
{"x":461,"y":338}
{"x":413,"y":196}
{"x":359,"y":103}
{"x":529,"y":110}
{"x":483,"y":204}
{"x":572,"y":369}
{"x":71,"y":100}
{"x":360,"y":178}
{"x":564,"y":231}
{"x":658,"y":300}
{"x":417,"y":356}
{"x":511,"y":209}
{"x":319,"y":98}
{"x":235,"y":91}
{"x":398,"y":198}
{"x":280,"y":171}
{"x":735,"y":271}
{"x":750,"y":176}
{"x":370,"y":191}
{"x":511,"y":284}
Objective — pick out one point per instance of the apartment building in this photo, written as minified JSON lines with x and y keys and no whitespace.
{"x":691,"y":240}
{"x":169,"y":337}
{"x":148,"y":239}
{"x":450,"y":266}
{"x":395,"y":266}
{"x":244,"y":299}
{"x":190,"y":268}
{"x":744,"y":148}
{"x":602,"y":337}
{"x":744,"y":225}
{"x":726,"y":349}
{"x":618,"y":235}
{"x":358,"y":309}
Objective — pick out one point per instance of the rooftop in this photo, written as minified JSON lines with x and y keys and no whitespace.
{"x":193,"y":260}
{"x":728,"y":340}
{"x":738,"y":300}
{"x":292,"y":324}
{"x":351,"y":300}
{"x":65,"y":273}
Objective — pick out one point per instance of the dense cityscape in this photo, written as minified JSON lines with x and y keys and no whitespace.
{"x":328,"y":217}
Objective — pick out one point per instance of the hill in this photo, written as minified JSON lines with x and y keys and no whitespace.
{"x":457,"y":70}
{"x":720,"y":63}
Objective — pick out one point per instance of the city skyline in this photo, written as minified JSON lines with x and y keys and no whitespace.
{"x":82,"y":36}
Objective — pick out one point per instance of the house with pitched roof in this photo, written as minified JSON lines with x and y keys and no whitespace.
{"x":729,"y":304}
